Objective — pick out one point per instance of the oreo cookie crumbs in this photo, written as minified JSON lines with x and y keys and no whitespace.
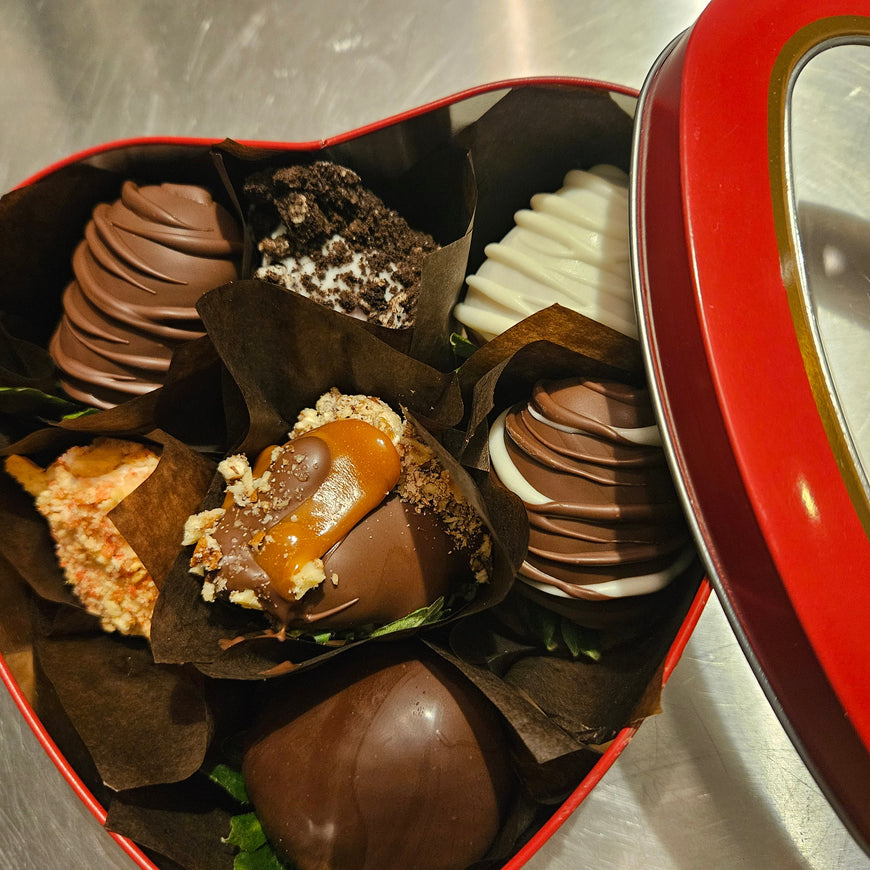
{"x":324,"y":235}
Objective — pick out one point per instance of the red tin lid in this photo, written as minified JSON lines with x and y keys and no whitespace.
{"x":763,"y":392}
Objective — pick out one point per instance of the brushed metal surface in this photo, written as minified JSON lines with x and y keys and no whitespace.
{"x":711,"y":782}
{"x":42,"y":822}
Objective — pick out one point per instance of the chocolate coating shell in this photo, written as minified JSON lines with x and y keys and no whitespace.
{"x":387,"y":758}
{"x":392,"y":563}
{"x":144,"y":262}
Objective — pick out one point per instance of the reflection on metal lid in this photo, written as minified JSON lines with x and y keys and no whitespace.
{"x":835,"y":249}
{"x":830,"y":186}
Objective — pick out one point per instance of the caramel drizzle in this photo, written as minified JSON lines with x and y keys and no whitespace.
{"x":364,"y":468}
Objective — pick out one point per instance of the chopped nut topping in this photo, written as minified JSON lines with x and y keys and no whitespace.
{"x":198,"y":525}
{"x":207,"y":554}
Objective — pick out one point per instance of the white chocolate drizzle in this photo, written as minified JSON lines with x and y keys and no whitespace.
{"x":569,"y":248}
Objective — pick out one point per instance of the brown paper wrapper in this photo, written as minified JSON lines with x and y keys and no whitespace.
{"x":302,"y":351}
{"x":153,"y":515}
{"x":27,"y":546}
{"x":16,"y":629}
{"x":42,"y":224}
{"x":580,"y":702}
{"x":185,"y":823}
{"x":141,"y":724}
{"x":283,"y":351}
{"x":138,"y":724}
{"x":436,"y":194}
{"x":526,"y":143}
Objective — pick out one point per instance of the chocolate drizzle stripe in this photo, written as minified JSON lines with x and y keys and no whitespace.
{"x":609,"y":586}
{"x":133,"y":197}
{"x":151,"y":362}
{"x":611,"y":473}
{"x":94,"y":254}
{"x":568,"y":551}
{"x":633,"y":533}
{"x":647,"y":436}
{"x":584,"y":446}
{"x":504,"y":468}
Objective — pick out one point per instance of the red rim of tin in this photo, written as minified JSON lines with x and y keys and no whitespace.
{"x":622,"y":739}
{"x":723,"y":345}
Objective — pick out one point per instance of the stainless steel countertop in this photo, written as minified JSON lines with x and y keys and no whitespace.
{"x":711,"y":782}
